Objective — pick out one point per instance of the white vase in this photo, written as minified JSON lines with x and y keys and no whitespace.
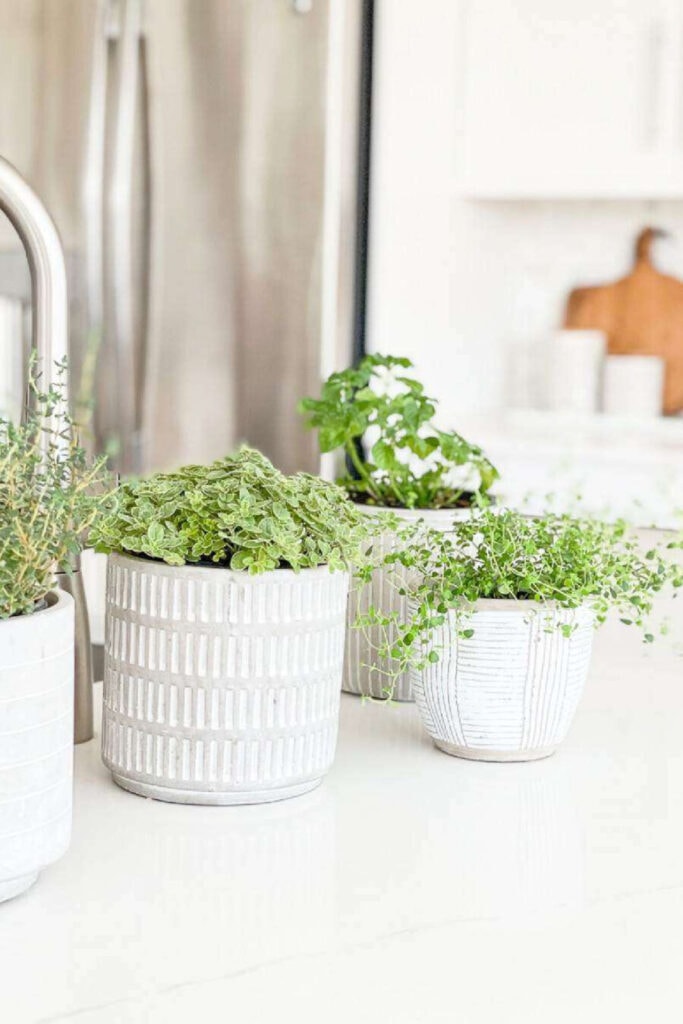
{"x":36,"y":741}
{"x":364,"y":671}
{"x":574,"y":366}
{"x":221,"y":687}
{"x":509,"y":692}
{"x":634,"y":386}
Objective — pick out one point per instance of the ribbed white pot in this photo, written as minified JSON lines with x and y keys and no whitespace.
{"x":364,"y":671}
{"x":220,"y":687}
{"x":509,"y":692}
{"x":36,"y":741}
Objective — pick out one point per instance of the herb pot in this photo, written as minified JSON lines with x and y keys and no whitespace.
{"x":510,"y":691}
{"x":221,"y":687}
{"x":364,"y":671}
{"x":36,"y":741}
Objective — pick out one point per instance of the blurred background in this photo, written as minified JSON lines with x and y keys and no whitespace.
{"x":251,"y":193}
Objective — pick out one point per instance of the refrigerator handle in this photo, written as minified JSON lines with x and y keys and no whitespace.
{"x":93,"y":180}
{"x":118,"y":261}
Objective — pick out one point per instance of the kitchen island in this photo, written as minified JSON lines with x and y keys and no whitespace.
{"x":409,"y":887}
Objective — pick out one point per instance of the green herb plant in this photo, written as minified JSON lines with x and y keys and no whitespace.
{"x":551,"y":560}
{"x":239,"y":512}
{"x":411,"y":463}
{"x":50,"y":494}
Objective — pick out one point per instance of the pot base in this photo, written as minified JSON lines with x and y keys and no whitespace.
{"x":213,"y":799}
{"x":15,"y":886}
{"x":483,"y":754}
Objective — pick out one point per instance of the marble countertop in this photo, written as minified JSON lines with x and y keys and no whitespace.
{"x":409,"y":887}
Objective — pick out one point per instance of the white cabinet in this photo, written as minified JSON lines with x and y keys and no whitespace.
{"x":571,"y":99}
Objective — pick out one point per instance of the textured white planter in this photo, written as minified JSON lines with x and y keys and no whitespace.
{"x":36,"y":741}
{"x":220,"y":687}
{"x":508,"y":693}
{"x":364,"y":671}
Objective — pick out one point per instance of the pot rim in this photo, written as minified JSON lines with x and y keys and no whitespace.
{"x":156,"y":565}
{"x":516,"y":604}
{"x":56,"y":599}
{"x":409,"y":513}
{"x":519,"y":606}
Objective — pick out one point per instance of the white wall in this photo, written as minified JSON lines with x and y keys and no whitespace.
{"x":459,"y":285}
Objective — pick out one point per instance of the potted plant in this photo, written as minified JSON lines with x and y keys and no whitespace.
{"x":498,"y":640}
{"x":226,"y":600}
{"x":48,"y":499}
{"x":414,"y":469}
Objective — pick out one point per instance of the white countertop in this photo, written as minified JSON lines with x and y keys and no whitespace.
{"x":410,"y":887}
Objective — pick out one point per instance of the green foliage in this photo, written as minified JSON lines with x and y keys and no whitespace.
{"x":239,"y":512}
{"x":411,"y":463}
{"x":552,"y":559}
{"x":50,"y":493}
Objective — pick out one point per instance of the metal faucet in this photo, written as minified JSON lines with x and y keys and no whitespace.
{"x":39,"y":237}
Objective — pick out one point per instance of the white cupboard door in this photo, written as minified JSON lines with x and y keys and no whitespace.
{"x":572,"y":98}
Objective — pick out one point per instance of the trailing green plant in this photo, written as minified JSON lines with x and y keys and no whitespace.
{"x":553,"y":560}
{"x":239,"y":512}
{"x":411,"y":463}
{"x":50,"y":494}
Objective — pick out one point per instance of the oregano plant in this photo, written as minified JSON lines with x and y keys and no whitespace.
{"x":50,"y":494}
{"x":410,"y":462}
{"x":239,"y":512}
{"x":550,"y":560}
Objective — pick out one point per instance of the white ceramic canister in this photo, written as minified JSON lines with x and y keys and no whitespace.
{"x":364,"y":671}
{"x":510,"y":691}
{"x":574,"y":371}
{"x":36,"y":741}
{"x":634,"y":386}
{"x":221,"y":687}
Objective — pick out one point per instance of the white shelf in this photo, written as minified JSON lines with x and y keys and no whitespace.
{"x":476,"y":190}
{"x":656,"y":437}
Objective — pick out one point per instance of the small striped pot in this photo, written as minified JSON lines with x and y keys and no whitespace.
{"x":36,"y":741}
{"x":220,"y":687}
{"x":364,"y":671}
{"x":509,"y":692}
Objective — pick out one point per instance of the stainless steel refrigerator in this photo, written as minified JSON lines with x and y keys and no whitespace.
{"x":200,"y":160}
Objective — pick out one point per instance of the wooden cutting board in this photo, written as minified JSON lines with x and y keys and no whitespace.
{"x":642,"y":314}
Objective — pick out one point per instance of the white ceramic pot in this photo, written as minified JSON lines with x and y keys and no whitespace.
{"x":364,"y":672}
{"x":509,"y":692}
{"x":36,"y":741}
{"x":221,"y":687}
